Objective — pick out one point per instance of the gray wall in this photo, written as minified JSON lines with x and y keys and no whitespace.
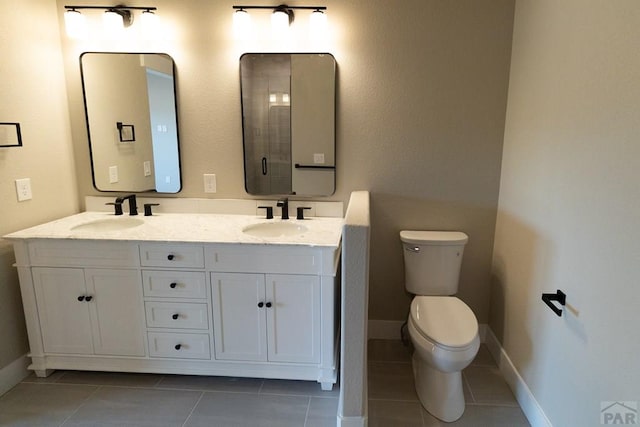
{"x":569,"y":203}
{"x":32,"y":90}
{"x":420,"y":117}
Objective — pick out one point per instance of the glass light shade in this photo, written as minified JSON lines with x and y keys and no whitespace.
{"x":317,"y":24}
{"x":149,"y":24}
{"x":241,"y":24}
{"x":280,"y":24}
{"x":113,"y":23}
{"x":75,"y":24}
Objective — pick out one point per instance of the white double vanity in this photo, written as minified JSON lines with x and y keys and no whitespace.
{"x":202,"y":294}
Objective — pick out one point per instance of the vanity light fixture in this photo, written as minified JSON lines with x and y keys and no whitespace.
{"x":115,"y":19}
{"x":281,"y":18}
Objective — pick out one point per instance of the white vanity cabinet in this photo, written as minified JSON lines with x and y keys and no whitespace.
{"x":252,"y":310}
{"x":267,"y":317}
{"x":89,"y":311}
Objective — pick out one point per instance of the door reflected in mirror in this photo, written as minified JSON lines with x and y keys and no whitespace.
{"x":130,"y":105}
{"x":288,"y":117}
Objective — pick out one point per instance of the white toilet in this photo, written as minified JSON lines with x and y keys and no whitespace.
{"x":443,"y":329}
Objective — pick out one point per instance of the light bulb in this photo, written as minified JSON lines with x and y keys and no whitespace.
{"x":241,"y":24}
{"x":280,"y":24}
{"x":75,"y":24}
{"x":113,"y":23}
{"x":149,"y":23}
{"x":317,"y":24}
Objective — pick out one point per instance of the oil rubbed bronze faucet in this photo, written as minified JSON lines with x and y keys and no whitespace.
{"x":284,"y":204}
{"x":133,"y":206}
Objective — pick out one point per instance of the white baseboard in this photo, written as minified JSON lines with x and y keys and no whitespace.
{"x":351,"y":422}
{"x":13,"y":373}
{"x":525,"y":398}
{"x":384,"y":329}
{"x":390,"y":330}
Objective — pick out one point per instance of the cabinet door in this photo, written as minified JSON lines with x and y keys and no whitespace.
{"x":293,"y":320}
{"x":117,"y":312}
{"x":239,"y":322}
{"x":64,"y":319}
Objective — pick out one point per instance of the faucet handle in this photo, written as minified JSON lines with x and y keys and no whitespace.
{"x":117,"y":205}
{"x":300,"y":211}
{"x":147,"y":208}
{"x":269,"y":211}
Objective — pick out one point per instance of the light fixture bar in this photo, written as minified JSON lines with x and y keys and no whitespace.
{"x":118,"y":7}
{"x":282,"y":5}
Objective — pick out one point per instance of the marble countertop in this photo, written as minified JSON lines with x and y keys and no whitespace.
{"x":183,"y":227}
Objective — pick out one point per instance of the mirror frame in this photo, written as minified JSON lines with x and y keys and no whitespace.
{"x":86,"y":117}
{"x":334,"y":168}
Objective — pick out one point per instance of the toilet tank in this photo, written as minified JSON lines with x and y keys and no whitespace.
{"x":432,"y":261}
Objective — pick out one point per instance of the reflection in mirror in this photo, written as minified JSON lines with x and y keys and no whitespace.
{"x":288,"y":117}
{"x":130,"y":105}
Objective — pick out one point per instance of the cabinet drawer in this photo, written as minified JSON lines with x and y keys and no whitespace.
{"x":176,"y":315}
{"x":75,"y":253}
{"x":181,"y":346}
{"x":261,"y":259}
{"x":171,"y":255}
{"x":174,"y":284}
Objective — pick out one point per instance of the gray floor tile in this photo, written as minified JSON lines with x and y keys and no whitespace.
{"x":249,"y":410}
{"x":387,"y":413}
{"x":55,"y":376}
{"x":323,"y":412}
{"x":391,"y":381}
{"x":41,"y":404}
{"x":482,"y":416}
{"x":297,"y":388}
{"x":122,"y":379}
{"x":121,"y":406}
{"x":388,"y":351}
{"x":488,"y":386}
{"x":483,"y":358}
{"x":207,"y":383}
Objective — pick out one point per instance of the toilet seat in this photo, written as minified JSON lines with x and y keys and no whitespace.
{"x":445,"y":321}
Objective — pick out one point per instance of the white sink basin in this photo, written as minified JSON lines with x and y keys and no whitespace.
{"x":274,"y":229}
{"x":109,"y":224}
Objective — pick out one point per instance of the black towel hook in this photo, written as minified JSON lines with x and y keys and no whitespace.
{"x":558,"y":296}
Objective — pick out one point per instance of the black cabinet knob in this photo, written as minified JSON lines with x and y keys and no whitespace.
{"x":81,"y":298}
{"x":175,"y":316}
{"x":268,"y":305}
{"x":260,"y":304}
{"x":178,"y":346}
{"x":173,"y":285}
{"x":88,"y":298}
{"x":170,"y":257}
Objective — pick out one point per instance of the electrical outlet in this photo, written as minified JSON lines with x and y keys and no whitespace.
{"x":23,"y":189}
{"x":318,"y":158}
{"x":147,"y":168}
{"x":113,"y":174}
{"x":209,"y":183}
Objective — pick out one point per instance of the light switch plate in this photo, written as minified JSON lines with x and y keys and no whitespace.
{"x":113,"y":174}
{"x":147,"y":167}
{"x":210,"y":183}
{"x":23,"y":189}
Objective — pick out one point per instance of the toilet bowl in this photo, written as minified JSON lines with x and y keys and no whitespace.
{"x":445,"y":342}
{"x":442,"y":328}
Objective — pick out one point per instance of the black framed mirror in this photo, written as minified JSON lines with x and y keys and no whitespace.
{"x":288,"y":123}
{"x":132,"y":121}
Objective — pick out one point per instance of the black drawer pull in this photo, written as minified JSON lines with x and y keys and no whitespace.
{"x":173,"y":285}
{"x":268,"y":305}
{"x":175,"y":316}
{"x":88,"y":298}
{"x":81,"y":298}
{"x":260,"y":304}
{"x":170,"y":257}
{"x":178,"y":346}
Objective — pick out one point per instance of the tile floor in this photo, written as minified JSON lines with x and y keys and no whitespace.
{"x":96,"y":399}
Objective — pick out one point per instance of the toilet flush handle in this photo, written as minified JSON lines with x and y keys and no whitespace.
{"x":414,"y":249}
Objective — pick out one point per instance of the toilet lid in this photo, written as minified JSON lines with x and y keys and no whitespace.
{"x":445,"y":321}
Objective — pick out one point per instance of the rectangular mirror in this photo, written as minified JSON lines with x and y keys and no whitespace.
{"x":131,"y":111}
{"x":288,"y":123}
